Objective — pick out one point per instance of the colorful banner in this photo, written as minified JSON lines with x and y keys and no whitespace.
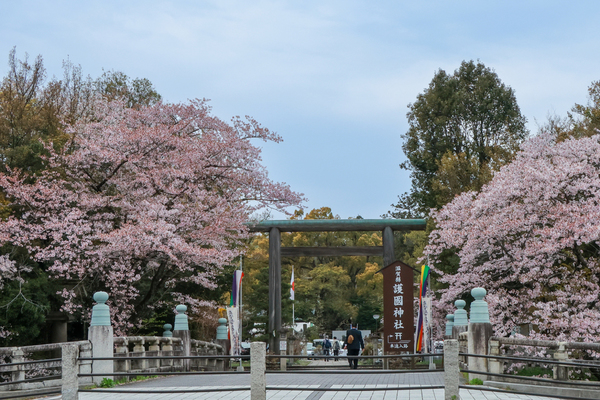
{"x":234,"y":333}
{"x":422,"y":321}
{"x":236,"y":288}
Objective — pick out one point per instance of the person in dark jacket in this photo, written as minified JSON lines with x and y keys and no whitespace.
{"x":354,"y":347}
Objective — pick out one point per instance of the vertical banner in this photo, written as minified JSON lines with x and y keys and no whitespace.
{"x":236,"y":288}
{"x":427,"y":315}
{"x":233,"y":312}
{"x":398,"y":314}
{"x":421,"y":325}
{"x":234,"y":333}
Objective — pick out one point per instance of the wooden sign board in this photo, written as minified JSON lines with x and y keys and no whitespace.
{"x":398,"y":312}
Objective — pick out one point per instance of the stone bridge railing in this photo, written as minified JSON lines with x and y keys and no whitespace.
{"x":482,"y":352}
{"x":133,"y":348}
{"x":40,"y":367}
{"x":43,"y":374}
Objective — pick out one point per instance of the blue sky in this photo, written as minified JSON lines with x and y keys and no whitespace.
{"x":333,"y":78}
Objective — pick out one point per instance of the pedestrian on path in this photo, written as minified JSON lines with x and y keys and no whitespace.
{"x":336,"y":348}
{"x":354,"y":343}
{"x":326,"y":348}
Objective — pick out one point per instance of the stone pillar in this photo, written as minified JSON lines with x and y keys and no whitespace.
{"x":258,"y":379}
{"x":100,"y":334}
{"x":221,"y":339}
{"x":70,"y":369}
{"x":480,"y":331}
{"x":451,"y":370}
{"x":461,"y":322}
{"x":449,"y":326}
{"x":18,"y":373}
{"x":283,"y":351}
{"x":560,"y":372}
{"x":182,"y":331}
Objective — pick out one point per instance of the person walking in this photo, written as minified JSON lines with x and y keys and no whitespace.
{"x":336,"y":348}
{"x":354,"y":343}
{"x":326,"y":348}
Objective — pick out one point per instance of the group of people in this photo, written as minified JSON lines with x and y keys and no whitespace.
{"x":354,"y":344}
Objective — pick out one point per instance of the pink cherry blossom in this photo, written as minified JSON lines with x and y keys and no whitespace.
{"x":531,"y":237}
{"x":140,"y":200}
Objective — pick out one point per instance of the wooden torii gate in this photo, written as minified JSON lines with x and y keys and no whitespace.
{"x":274,"y":228}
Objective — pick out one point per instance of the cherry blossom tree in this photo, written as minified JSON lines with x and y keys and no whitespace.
{"x":141,"y":200}
{"x":531,"y":237}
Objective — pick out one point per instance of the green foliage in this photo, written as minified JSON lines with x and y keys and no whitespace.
{"x":586,"y":118}
{"x":107,"y":383}
{"x":136,"y":92}
{"x":467,"y":123}
{"x":476,"y":381}
{"x":25,"y":299}
{"x":534,"y":371}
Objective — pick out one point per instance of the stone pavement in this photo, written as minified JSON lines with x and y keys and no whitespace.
{"x":338,"y":376}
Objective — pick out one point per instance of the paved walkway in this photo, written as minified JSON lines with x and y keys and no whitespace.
{"x":338,"y":377}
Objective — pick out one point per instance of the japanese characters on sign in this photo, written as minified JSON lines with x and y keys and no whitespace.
{"x":398,"y":308}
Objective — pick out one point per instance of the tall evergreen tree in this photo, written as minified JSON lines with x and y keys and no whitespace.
{"x":469,"y":118}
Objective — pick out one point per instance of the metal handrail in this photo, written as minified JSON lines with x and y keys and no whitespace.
{"x":536,"y":360}
{"x":356,"y":371}
{"x":498,"y":390}
{"x":533,"y":379}
{"x":364,"y":389}
{"x":219,"y":389}
{"x":17,"y":396}
{"x":211,"y":357}
{"x":165,"y":373}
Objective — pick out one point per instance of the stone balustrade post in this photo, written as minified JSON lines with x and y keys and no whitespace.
{"x":560,"y":372}
{"x":18,"y":372}
{"x":182,"y":331}
{"x":100,"y":334}
{"x":70,"y":368}
{"x":122,"y":352}
{"x":139,"y":350}
{"x":451,"y":370}
{"x":495,"y":366}
{"x":153,"y":351}
{"x":258,"y":368}
{"x":167,"y":350}
{"x":85,"y":366}
{"x":479,"y":333}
